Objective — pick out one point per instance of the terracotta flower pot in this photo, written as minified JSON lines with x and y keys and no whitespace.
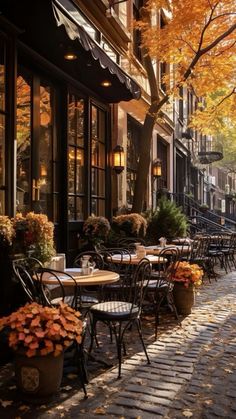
{"x":183,"y":297}
{"x":38,"y":376}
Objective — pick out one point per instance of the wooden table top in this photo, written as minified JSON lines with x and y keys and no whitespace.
{"x":98,"y":277}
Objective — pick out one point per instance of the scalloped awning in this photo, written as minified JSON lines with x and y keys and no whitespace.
{"x":207,"y":157}
{"x":65,"y":13}
{"x":47,"y":30}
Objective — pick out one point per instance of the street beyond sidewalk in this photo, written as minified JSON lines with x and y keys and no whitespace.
{"x":192,"y":371}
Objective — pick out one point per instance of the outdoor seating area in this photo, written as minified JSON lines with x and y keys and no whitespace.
{"x":121,"y":288}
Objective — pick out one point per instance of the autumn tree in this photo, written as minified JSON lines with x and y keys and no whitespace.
{"x":199,"y":42}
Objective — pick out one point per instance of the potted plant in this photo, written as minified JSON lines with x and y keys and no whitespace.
{"x":95,"y":231}
{"x":34,"y":236}
{"x":167,"y":221}
{"x":133,"y":225}
{"x":186,"y":277}
{"x":204,"y":208}
{"x":38,"y":336}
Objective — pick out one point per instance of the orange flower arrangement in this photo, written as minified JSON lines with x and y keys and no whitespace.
{"x":187,"y":274}
{"x":42,"y":330}
{"x":34,"y":233}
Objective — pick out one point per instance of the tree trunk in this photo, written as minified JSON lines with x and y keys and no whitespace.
{"x":144,"y":163}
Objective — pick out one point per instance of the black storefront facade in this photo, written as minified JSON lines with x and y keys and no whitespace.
{"x":56,"y":117}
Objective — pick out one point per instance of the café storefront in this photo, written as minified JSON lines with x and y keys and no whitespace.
{"x":57,"y":90}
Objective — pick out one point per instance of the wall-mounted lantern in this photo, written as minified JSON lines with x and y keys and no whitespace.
{"x":118,"y":159}
{"x":156,"y":168}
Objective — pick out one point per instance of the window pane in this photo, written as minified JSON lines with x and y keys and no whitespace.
{"x":94,"y":152}
{"x":101,"y":155}
{"x":101,"y":126}
{"x":2,"y":163}
{"x":79,"y":170}
{"x":79,"y":208}
{"x":94,"y":181}
{"x":94,"y":123}
{"x":2,"y":75}
{"x":71,"y":170}
{"x":71,"y":208}
{"x":56,"y":208}
{"x":23,"y":135}
{"x":45,"y":149}
{"x":76,"y":121}
{"x":98,"y":207}
{"x":101,"y":185}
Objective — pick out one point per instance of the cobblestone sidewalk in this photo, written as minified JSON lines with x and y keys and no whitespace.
{"x":192,"y":371}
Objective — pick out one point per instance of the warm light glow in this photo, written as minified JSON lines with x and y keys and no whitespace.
{"x":43,"y":170}
{"x":106,"y":83}
{"x":118,"y":159}
{"x":70,"y":57}
{"x":156,"y":168}
{"x":70,"y":54}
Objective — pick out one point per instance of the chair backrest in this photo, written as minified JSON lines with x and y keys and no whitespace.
{"x":95,"y":257}
{"x":26,"y":272}
{"x":59,"y":291}
{"x":166,"y":270}
{"x":134,"y":289}
{"x":123,"y":263}
{"x":200,"y":246}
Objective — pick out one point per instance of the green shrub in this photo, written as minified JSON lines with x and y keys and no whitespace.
{"x":167,"y":221}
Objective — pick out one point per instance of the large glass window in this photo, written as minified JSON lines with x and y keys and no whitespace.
{"x":98,"y":161}
{"x":133,"y":141}
{"x":23,"y":135}
{"x":76,"y":181}
{"x":2,"y":127}
{"x":37,"y":155}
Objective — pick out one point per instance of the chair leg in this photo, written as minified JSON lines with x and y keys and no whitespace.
{"x":93,"y":334}
{"x":82,"y":368}
{"x":138,"y":323}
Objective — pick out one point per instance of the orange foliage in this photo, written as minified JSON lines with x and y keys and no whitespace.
{"x":199,"y":40}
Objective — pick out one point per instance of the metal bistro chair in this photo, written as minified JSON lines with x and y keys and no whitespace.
{"x":125,"y":311}
{"x":24,"y":269}
{"x":122,"y":266}
{"x":200,"y":254}
{"x":160,"y":286}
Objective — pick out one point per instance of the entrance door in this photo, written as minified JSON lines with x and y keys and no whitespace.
{"x":37,"y":155}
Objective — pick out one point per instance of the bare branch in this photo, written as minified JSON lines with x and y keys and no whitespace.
{"x":187,"y":43}
{"x":218,"y":40}
{"x":233,"y":91}
{"x":206,"y":26}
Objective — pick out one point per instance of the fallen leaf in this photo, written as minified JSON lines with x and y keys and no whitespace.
{"x":187,"y":413}
{"x":99,"y":411}
{"x":24,"y":408}
{"x":228,"y":370}
{"x":67,"y":388}
{"x":6,"y":403}
{"x":208,"y":402}
{"x":60,"y":407}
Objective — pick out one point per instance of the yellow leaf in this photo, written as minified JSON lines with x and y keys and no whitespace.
{"x":99,"y":411}
{"x":187,"y":413}
{"x":6,"y":403}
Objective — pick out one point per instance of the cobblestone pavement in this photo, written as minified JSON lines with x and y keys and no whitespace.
{"x":192,"y":371}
